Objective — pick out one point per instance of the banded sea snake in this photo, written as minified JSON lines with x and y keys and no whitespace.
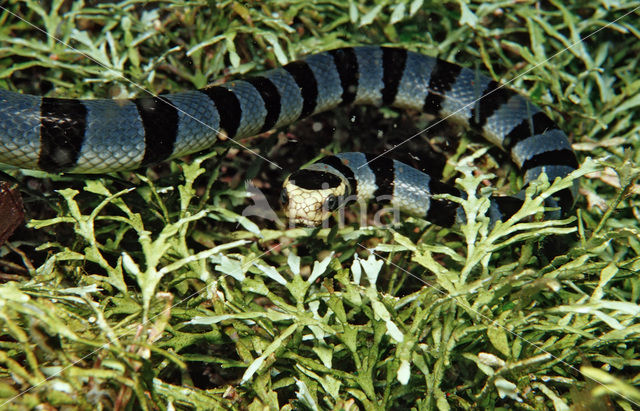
{"x":99,"y":136}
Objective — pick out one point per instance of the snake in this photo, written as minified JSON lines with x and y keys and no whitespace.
{"x":106,"y":135}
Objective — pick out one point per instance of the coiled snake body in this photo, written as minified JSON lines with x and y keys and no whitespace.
{"x":98,"y":136}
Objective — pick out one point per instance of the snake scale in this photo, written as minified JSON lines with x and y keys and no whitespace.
{"x":99,"y":136}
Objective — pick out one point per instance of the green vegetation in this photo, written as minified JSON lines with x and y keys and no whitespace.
{"x":150,"y":290}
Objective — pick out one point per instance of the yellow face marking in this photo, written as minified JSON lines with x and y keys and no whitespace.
{"x":309,"y":206}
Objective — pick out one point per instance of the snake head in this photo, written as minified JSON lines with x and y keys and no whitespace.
{"x":310,"y":195}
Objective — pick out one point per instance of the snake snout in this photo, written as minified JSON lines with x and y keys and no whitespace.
{"x":309,"y":196}
{"x":303,"y":206}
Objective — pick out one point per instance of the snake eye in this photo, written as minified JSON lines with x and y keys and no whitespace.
{"x":332,"y":202}
{"x":284,"y":197}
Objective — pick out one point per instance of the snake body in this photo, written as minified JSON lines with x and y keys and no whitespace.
{"x":98,"y":136}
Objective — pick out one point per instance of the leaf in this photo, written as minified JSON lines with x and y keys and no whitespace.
{"x":294,"y":263}
{"x":130,"y":265}
{"x":228,"y":215}
{"x":466,"y":15}
{"x":349,"y":337}
{"x":355,"y":270}
{"x":271,"y":273}
{"x":371,"y":15}
{"x":490,"y":360}
{"x":558,"y":403}
{"x":398,"y":13}
{"x":243,"y":12}
{"x":81,"y":291}
{"x":250,"y":315}
{"x":9,"y":292}
{"x":415,"y":6}
{"x":507,"y":389}
{"x":608,"y":384}
{"x":97,"y":187}
{"x":623,"y":306}
{"x":325,"y":353}
{"x":277,"y":49}
{"x":393,"y":331}
{"x":206,"y":43}
{"x":404,"y":372}
{"x":610,"y":321}
{"x":304,"y":396}
{"x":381,"y":312}
{"x":498,"y":338}
{"x":371,"y":268}
{"x":628,"y":104}
{"x":234,"y":58}
{"x":443,"y":404}
{"x":257,"y":363}
{"x":353,"y":12}
{"x":606,"y":275}
{"x":319,"y":268}
{"x":230,"y":267}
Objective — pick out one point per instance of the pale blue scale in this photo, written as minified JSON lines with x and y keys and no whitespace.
{"x":290,"y":97}
{"x":19,"y":129}
{"x":551,"y":140}
{"x":328,"y":80}
{"x":411,"y":189}
{"x":251,"y":105}
{"x":462,"y":98}
{"x":414,"y":85}
{"x":363,"y":174}
{"x":516,"y":110}
{"x":198,"y":122}
{"x":370,"y":83}
{"x":114,"y":136}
